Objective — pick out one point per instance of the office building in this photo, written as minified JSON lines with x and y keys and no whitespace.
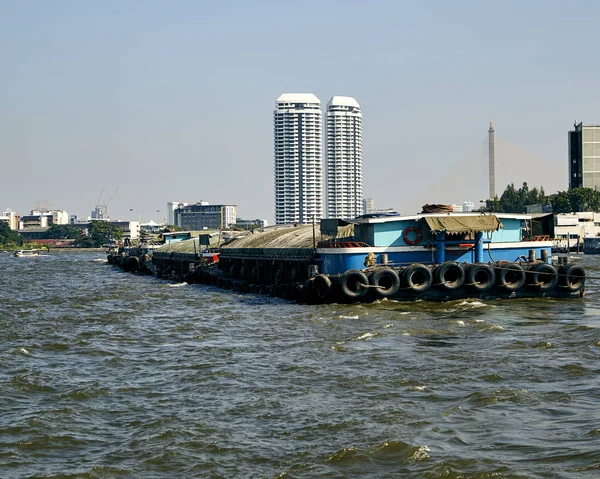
{"x":368,"y":206}
{"x":344,"y":166}
{"x":298,"y":165}
{"x":171,"y":207}
{"x":584,"y":156}
{"x":201,"y":216}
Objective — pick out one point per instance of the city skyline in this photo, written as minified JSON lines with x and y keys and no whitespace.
{"x":177,"y":101}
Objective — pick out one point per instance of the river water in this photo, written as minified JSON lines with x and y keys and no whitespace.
{"x":106,"y":374}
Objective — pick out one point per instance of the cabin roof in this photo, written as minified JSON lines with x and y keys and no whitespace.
{"x":389,"y":219}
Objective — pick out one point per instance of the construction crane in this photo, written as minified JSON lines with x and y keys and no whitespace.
{"x":101,"y":210}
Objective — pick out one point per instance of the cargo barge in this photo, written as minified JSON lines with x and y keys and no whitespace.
{"x":433,"y":256}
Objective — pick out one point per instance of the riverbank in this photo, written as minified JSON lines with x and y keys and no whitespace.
{"x":58,"y":250}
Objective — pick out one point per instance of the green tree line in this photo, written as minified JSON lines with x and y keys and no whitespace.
{"x":515,"y":200}
{"x":99,"y":233}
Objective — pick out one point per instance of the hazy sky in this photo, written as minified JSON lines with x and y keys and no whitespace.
{"x":173,"y":100}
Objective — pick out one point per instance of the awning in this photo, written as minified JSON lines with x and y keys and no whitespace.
{"x":463,"y":224}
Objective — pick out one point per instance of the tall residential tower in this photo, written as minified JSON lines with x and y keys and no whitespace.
{"x":298,"y":159}
{"x":344,"y":167}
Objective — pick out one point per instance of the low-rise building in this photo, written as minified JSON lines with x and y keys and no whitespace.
{"x":131,"y":229}
{"x":249,"y":224}
{"x":10,"y":217}
{"x":571,"y":228}
{"x":200,"y":216}
{"x":43,"y":219}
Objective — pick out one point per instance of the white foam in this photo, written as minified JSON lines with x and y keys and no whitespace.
{"x":419,"y":388}
{"x":177,"y":285}
{"x":341,"y":316}
{"x":366,"y":336}
{"x":24,"y":351}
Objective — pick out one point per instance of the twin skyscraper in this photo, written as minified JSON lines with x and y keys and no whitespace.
{"x":299,"y":189}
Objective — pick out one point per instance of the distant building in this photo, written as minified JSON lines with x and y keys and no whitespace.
{"x":43,"y":219}
{"x":298,"y":168}
{"x":344,"y":164}
{"x":35,"y":221}
{"x":584,"y":156}
{"x":131,"y":229}
{"x":368,"y":206}
{"x":11,"y":218}
{"x":204,"y":216}
{"x":468,"y":206}
{"x":171,"y":207}
{"x":571,"y":228}
{"x":465,"y":207}
{"x":257,"y":223}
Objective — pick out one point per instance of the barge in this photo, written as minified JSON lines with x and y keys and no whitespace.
{"x":433,"y":256}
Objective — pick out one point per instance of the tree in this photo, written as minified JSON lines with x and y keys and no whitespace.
{"x":62,"y":231}
{"x":516,"y":201}
{"x":99,"y":233}
{"x":510,"y":200}
{"x":560,"y":202}
{"x":8,"y":237}
{"x":84,"y":242}
{"x":576,"y":199}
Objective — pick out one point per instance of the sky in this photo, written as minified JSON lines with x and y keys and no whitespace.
{"x":148,"y":101}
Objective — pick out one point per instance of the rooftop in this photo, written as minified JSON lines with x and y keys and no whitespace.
{"x":298,"y":98}
{"x":343,"y":101}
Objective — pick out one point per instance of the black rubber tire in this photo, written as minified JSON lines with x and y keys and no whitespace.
{"x":542,"y":277}
{"x":417,"y":277}
{"x":480,"y":277}
{"x":125,"y":264}
{"x":321,"y":286}
{"x":134,"y":263}
{"x":510,"y":277}
{"x":350,"y":284}
{"x":386,"y":278}
{"x":572,"y":277}
{"x":449,"y":276}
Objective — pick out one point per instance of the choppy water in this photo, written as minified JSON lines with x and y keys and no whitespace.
{"x":105,"y":374}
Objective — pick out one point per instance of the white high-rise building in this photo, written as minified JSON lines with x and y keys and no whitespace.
{"x":344,"y":168}
{"x":298,"y":159}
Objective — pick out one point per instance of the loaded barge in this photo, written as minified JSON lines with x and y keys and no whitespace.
{"x":433,"y":256}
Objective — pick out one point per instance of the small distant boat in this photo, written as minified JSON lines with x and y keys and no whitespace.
{"x":26,"y":253}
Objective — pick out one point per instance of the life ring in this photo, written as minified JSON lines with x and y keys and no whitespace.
{"x":510,"y":277}
{"x":411,"y":229}
{"x":352,"y":284}
{"x":542,"y":277}
{"x":386,"y":280}
{"x":417,"y":277}
{"x":449,"y":276}
{"x":480,"y":277}
{"x":572,"y":277}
